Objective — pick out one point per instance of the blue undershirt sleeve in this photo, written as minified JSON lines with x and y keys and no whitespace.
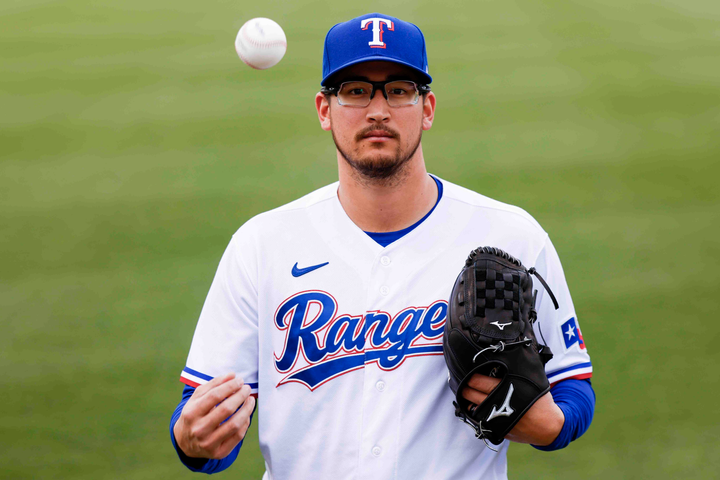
{"x":202,"y":465}
{"x":576,"y":399}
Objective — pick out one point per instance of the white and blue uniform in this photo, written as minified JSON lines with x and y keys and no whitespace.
{"x":341,"y":338}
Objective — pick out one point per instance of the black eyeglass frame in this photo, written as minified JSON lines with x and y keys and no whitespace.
{"x":421,"y":88}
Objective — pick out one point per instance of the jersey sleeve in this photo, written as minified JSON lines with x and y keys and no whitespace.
{"x":226,"y":336}
{"x":559,"y":329}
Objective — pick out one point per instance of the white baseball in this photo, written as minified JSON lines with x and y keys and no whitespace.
{"x":261,"y":43}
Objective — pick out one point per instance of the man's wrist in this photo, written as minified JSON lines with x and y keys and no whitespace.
{"x":554,"y":425}
{"x":540,"y":426}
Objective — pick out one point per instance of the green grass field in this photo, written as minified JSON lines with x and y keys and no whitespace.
{"x":133,"y":143}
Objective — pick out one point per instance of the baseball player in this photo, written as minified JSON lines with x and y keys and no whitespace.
{"x":326,"y":314}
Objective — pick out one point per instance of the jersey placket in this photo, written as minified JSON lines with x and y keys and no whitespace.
{"x":381,"y":423}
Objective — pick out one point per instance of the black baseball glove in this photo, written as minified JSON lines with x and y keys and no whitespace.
{"x":489,"y":331}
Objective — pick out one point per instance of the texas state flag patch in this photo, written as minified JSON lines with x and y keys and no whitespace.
{"x":571,"y":334}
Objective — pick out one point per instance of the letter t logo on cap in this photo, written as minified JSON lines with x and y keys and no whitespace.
{"x":377,"y":29}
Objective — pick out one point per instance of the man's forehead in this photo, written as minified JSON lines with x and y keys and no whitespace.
{"x":376,"y":72}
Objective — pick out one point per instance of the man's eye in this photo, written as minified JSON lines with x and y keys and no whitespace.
{"x":357,"y":91}
{"x":398,"y":92}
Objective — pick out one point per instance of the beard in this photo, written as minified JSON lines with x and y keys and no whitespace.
{"x":384,"y":170}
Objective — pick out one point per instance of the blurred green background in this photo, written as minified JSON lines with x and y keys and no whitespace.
{"x":133,"y":143}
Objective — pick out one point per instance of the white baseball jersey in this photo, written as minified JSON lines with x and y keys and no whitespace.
{"x":341,"y":338}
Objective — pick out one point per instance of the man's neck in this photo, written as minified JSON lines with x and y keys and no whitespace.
{"x":387,"y":205}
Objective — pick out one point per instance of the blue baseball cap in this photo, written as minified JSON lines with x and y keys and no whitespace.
{"x":374,"y":37}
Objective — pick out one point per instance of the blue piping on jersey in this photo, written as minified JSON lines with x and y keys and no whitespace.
{"x":386,"y":238}
{"x":198,"y":374}
{"x":573,"y":367}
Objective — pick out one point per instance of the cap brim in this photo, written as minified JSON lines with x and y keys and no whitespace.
{"x":424,"y":77}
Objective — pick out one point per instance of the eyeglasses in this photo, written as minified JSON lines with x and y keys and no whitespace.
{"x":356,"y":93}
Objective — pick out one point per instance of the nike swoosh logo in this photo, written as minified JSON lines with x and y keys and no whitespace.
{"x":297,"y":272}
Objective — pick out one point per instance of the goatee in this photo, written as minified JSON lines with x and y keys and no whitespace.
{"x":382,"y":171}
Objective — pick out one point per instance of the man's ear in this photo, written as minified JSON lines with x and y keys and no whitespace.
{"x":428,"y":110}
{"x":322,"y":105}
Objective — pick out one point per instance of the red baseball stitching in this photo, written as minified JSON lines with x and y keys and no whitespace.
{"x":278,"y":43}
{"x":246,"y":61}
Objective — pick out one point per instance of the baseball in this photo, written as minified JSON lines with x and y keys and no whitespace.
{"x":261,"y":43}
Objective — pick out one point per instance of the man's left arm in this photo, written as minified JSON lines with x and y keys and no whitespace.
{"x":557,"y":418}
{"x":576,"y":399}
{"x":565,"y":412}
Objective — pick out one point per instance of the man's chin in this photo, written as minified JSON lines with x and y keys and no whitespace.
{"x":377,"y":161}
{"x":376,"y":167}
{"x":378,"y":154}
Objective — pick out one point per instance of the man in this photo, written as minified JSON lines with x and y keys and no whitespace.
{"x":331,"y":309}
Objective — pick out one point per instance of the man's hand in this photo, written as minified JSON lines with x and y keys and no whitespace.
{"x":200,"y":431}
{"x":540,"y":425}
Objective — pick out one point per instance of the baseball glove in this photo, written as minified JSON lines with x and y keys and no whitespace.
{"x":489,"y":330}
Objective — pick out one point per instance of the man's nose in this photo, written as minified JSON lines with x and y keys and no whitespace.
{"x":378,"y":110}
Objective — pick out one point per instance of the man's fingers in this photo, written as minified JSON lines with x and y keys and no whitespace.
{"x":249,"y":406}
{"x":483,"y":383}
{"x":203,"y":389}
{"x":473,"y":395}
{"x":226,"y":447}
{"x":236,"y":435}
{"x":479,"y":387}
{"x":206,"y":426}
{"x":217,"y":395}
{"x":198,"y":430}
{"x":234,"y":429}
{"x":228,"y":407}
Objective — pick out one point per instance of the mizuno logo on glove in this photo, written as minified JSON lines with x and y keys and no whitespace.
{"x":505,"y":410}
{"x":501,"y":326}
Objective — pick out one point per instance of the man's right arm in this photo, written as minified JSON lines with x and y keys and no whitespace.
{"x":210,"y":423}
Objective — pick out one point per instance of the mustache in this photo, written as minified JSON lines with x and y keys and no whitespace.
{"x":374,"y":128}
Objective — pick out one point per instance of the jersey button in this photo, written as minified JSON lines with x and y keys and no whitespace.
{"x":376,"y":451}
{"x":385,"y":261}
{"x":384,"y":290}
{"x":380,"y":386}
